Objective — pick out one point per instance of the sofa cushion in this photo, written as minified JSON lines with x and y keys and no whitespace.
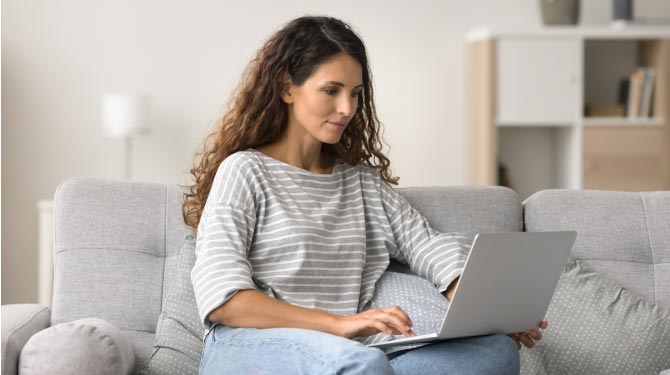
{"x":85,"y":346}
{"x":178,"y":344}
{"x":596,"y":326}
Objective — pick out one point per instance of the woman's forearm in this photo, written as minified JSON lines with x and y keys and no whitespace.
{"x":449,"y":293}
{"x":253,"y":309}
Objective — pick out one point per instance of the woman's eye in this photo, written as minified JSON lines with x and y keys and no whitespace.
{"x":333,"y":92}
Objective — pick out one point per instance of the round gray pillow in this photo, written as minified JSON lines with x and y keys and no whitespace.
{"x":85,"y":346}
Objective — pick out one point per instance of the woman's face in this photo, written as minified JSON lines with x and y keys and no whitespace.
{"x":322,"y":107}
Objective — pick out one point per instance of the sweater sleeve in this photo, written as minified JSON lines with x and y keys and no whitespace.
{"x":224,"y":237}
{"x":435,"y":256}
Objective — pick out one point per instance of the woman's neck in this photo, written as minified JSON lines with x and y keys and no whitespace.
{"x":300,"y":156}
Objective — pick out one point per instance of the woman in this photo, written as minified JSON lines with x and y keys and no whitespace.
{"x":296,"y":222}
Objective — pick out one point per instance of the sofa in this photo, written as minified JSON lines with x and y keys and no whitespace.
{"x":116,"y":252}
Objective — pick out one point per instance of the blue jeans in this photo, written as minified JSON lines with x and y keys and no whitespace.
{"x":279,"y":351}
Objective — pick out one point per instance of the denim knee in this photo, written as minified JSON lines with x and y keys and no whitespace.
{"x":289,"y":351}
{"x":365,"y":360}
{"x":507,"y":354}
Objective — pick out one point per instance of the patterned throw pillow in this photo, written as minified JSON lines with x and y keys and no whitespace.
{"x":418,"y":297}
{"x":178,"y":344}
{"x":598,"y":327}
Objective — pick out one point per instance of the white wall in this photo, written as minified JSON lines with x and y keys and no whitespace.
{"x":59,"y":56}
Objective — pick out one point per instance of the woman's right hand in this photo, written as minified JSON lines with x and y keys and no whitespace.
{"x":391,"y":320}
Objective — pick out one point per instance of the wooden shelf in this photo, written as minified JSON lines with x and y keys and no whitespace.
{"x":534,"y":124}
{"x":623,"y":121}
{"x":585,"y":32}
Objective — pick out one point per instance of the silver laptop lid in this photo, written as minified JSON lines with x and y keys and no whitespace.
{"x":507,"y":283}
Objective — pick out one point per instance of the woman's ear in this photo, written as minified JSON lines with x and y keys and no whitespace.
{"x":287,"y":89}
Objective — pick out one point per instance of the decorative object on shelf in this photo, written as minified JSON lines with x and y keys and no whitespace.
{"x":623,"y":16}
{"x":622,"y":11}
{"x":503,"y":176}
{"x":560,"y":12}
{"x":123,"y":116}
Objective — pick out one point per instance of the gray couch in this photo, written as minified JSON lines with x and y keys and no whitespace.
{"x":116,"y":247}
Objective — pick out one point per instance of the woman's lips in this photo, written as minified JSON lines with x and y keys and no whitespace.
{"x":338,"y":124}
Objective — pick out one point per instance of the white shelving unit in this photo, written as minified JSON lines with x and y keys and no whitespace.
{"x":45,"y":210}
{"x":527,"y":93}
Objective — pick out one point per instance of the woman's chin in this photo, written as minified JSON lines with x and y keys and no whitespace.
{"x":331,"y":140}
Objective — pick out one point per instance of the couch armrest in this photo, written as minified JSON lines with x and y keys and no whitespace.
{"x":19,"y":324}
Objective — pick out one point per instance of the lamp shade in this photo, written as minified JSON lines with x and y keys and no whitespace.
{"x":124,"y":115}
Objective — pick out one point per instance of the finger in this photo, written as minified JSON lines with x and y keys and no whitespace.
{"x":382,"y":327}
{"x":400,"y":313}
{"x":527,"y":341}
{"x":544,"y":324}
{"x":535,"y":334}
{"x":395,"y":323}
{"x":391,"y":322}
{"x":381,"y":321}
{"x":395,"y":319}
{"x":515,"y":337}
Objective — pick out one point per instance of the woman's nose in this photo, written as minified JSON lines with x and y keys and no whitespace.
{"x":346,"y":105}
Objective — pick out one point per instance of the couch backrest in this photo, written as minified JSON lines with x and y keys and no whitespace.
{"x":625,"y":236}
{"x":468,"y":209}
{"x":471,"y":210}
{"x":116,"y":244}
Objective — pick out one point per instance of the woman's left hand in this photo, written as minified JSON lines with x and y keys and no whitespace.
{"x":529,"y":338}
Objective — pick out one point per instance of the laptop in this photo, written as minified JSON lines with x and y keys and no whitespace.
{"x":505,"y":287}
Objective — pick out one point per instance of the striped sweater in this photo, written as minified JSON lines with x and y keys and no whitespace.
{"x":319,"y":241}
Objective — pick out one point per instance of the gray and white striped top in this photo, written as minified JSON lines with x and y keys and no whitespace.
{"x":319,"y":241}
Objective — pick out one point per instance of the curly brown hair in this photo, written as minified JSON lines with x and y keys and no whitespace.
{"x":256,"y":115}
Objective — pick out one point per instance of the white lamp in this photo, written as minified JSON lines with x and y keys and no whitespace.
{"x":124,"y":115}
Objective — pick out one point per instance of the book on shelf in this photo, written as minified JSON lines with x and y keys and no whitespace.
{"x":640,"y":93}
{"x":634,"y":91}
{"x":647,"y":92}
{"x":624,"y":87}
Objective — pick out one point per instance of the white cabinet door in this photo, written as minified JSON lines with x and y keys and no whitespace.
{"x":538,"y":81}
